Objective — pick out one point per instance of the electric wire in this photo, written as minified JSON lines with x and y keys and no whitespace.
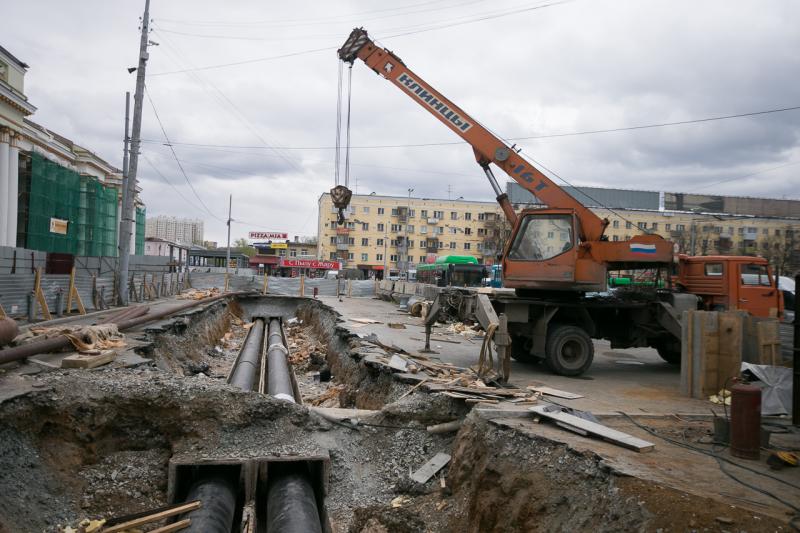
{"x":168,"y":182}
{"x":175,"y":155}
{"x":347,"y":127}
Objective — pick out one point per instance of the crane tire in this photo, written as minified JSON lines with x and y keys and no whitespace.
{"x":569,"y":350}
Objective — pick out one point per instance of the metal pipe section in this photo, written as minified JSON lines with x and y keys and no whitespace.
{"x":291,"y":502}
{"x":218,"y":496}
{"x":56,"y":343}
{"x":279,"y":381}
{"x":247,"y":367}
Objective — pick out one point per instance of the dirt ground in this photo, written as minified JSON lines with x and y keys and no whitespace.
{"x":99,"y":443}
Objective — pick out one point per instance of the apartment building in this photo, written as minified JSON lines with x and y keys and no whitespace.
{"x":395,"y":232}
{"x":178,"y":230}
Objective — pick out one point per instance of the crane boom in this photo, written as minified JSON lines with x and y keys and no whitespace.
{"x":488,"y":147}
{"x":561,"y":247}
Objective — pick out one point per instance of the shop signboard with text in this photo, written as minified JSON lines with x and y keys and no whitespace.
{"x":309,"y":263}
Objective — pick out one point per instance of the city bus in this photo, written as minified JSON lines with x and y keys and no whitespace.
{"x":452,"y":271}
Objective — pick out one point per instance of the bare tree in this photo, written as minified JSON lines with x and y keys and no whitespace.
{"x":497,"y":232}
{"x":783,"y":251}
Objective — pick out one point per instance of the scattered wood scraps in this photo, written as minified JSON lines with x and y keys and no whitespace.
{"x":587,"y":427}
{"x":547,"y":391}
{"x":427,"y":471}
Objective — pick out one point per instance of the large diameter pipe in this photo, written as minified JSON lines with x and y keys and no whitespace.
{"x":279,"y":381}
{"x":247,"y":366}
{"x":291,"y":502}
{"x":218,"y":505}
{"x":56,"y":343}
{"x":8,"y":330}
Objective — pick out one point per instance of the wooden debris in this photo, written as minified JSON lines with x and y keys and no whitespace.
{"x":547,"y":391}
{"x":593,"y":428}
{"x":136,"y":522}
{"x":395,"y":325}
{"x":177,"y":526}
{"x":426,"y":471}
{"x":88,"y":361}
{"x":364,"y":321}
{"x":446,"y":427}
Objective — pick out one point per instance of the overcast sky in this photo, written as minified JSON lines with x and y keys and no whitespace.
{"x":567,"y":67}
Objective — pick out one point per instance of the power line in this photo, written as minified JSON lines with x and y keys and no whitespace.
{"x":168,"y":182}
{"x":402,"y":34}
{"x":174,"y":155}
{"x":549,"y":136}
{"x":746,"y":175}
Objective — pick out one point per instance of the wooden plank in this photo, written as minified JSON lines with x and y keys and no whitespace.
{"x":426,"y":471}
{"x":398,"y":363}
{"x":555,"y":392}
{"x":177,"y":526}
{"x":471,"y":390}
{"x":79,"y":360}
{"x":606,"y":433}
{"x":154,"y":517}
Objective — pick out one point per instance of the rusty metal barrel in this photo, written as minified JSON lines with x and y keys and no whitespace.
{"x":745,"y":421}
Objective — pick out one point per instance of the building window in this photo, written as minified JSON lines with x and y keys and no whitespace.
{"x":777,"y":232}
{"x":393,"y":258}
{"x":380,"y":210}
{"x":333,"y":240}
{"x":381,"y":227}
{"x":550,"y":234}
{"x":668,"y":227}
{"x":438,"y":214}
{"x":440,"y":230}
{"x":423,"y":229}
{"x":467,"y":231}
{"x":410,"y":228}
{"x":628,"y":225}
{"x":282,"y":253}
{"x":453,"y":215}
{"x":379,"y":242}
{"x":615,"y":224}
{"x":422,"y":259}
{"x":453,"y":230}
{"x":481,"y":232}
{"x":642,"y":225}
{"x":654,"y":225}
{"x":394,"y":211}
{"x":765,"y":231}
{"x":467,"y":216}
{"x":466,"y":246}
{"x":365,"y":226}
{"x":616,"y":237}
{"x":293,"y":253}
{"x":303,"y":252}
{"x":397,"y":227}
{"x":351,"y":240}
{"x":422,"y":244}
{"x":365,"y":209}
{"x":424,"y":213}
{"x":452,"y":246}
{"x":364,"y":242}
{"x":379,"y":257}
{"x":350,"y":256}
{"x":365,"y":257}
{"x":680,"y":227}
{"x":333,"y":255}
{"x":441,"y":244}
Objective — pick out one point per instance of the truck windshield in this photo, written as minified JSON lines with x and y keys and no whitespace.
{"x":541,"y":237}
{"x":755,"y":275}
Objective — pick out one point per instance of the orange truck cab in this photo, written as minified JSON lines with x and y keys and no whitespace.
{"x":728,"y":283}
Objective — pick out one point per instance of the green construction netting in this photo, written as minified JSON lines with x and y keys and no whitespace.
{"x":88,"y":207}
{"x":140,"y":223}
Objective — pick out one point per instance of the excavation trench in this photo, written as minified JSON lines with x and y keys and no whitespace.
{"x":116,"y":441}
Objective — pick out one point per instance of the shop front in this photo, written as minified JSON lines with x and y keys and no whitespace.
{"x":311,"y":268}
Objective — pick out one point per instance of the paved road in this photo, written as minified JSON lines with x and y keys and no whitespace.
{"x":633,"y":380}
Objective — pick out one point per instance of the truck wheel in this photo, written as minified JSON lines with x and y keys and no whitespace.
{"x":569,"y":350}
{"x":521,"y":349}
{"x":669,"y":352}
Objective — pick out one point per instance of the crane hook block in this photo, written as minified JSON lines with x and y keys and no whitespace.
{"x":340,"y":195}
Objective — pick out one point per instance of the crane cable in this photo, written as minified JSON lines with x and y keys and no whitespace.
{"x":341,"y":194}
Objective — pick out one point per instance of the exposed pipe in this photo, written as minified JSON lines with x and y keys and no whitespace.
{"x":279,"y":382}
{"x":247,"y":365}
{"x":218,"y":496}
{"x":291,"y":503}
{"x":56,"y":343}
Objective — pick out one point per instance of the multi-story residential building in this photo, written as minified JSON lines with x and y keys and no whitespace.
{"x":396,"y":232}
{"x":393,"y":232}
{"x":179,"y":230}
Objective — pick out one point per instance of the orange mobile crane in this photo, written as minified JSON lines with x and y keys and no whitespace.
{"x":558,"y":257}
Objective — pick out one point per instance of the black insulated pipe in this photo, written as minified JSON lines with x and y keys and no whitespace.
{"x":291,"y":503}
{"x":217,"y":495}
{"x":279,"y":381}
{"x":245,"y":373}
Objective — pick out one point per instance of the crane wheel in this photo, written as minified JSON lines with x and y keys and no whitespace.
{"x":569,"y":350}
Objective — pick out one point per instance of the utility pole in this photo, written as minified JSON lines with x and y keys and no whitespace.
{"x":133,"y":163}
{"x":122,"y":283}
{"x":405,"y":244}
{"x":228,"y":254}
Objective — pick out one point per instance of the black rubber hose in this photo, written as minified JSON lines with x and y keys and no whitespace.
{"x":279,"y":382}
{"x":247,"y":367}
{"x":218,"y":497}
{"x":291,"y":503}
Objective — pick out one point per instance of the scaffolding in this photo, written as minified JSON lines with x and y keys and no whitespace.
{"x":70,"y":213}
{"x":140,"y":225}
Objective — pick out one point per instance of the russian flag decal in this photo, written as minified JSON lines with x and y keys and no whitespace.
{"x":643,"y":248}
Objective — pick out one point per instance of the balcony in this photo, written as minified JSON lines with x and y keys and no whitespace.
{"x":343,"y":230}
{"x":433,"y":221}
{"x":342,"y":246}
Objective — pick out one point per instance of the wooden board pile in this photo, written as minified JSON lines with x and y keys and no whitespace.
{"x":447,"y":379}
{"x":199,"y":294}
